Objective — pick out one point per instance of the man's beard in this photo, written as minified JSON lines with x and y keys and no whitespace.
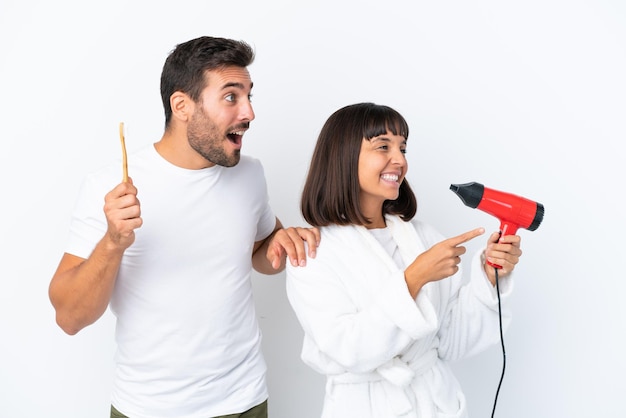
{"x":217,"y":155}
{"x":204,"y":137}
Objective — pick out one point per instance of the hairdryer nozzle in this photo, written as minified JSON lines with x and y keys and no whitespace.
{"x":470,"y":193}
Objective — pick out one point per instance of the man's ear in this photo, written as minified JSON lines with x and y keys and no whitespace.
{"x":182,"y":106}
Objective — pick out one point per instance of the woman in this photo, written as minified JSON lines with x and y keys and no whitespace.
{"x":383,"y":305}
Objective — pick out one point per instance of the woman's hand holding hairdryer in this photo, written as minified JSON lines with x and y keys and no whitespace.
{"x":503,"y":251}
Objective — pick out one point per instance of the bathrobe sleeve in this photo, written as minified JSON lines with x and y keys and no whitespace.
{"x":353,"y":323}
{"x":469,"y":318}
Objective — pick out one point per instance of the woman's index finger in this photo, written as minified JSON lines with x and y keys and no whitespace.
{"x":466,"y":236}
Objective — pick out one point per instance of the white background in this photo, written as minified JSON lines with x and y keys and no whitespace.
{"x":526,"y":97}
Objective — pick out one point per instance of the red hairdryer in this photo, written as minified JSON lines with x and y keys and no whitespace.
{"x":513,"y":211}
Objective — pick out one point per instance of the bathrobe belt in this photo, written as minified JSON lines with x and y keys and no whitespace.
{"x":395,"y":376}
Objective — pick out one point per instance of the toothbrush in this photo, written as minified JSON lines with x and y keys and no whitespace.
{"x":124,"y":162}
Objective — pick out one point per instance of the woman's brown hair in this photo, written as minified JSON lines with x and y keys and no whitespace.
{"x":331,"y":190}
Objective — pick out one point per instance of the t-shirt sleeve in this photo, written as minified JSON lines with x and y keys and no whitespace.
{"x":88,"y":223}
{"x":267,"y":218}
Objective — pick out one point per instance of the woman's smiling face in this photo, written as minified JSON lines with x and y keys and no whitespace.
{"x":382,"y":167}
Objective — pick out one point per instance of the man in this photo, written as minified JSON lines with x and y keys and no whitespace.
{"x":173,"y":249}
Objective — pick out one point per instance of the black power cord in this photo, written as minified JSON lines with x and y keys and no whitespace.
{"x":493,"y":411}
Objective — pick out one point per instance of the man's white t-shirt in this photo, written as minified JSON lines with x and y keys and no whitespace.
{"x":188,"y":340}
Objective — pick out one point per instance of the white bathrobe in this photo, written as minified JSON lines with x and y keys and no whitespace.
{"x":384,"y":354}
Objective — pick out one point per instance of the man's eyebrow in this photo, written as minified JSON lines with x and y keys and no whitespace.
{"x":236,"y":85}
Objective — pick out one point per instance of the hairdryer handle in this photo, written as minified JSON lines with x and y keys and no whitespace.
{"x":506,"y":228}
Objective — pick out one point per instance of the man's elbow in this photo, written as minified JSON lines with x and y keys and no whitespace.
{"x":67,"y":319}
{"x":68,"y":326}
